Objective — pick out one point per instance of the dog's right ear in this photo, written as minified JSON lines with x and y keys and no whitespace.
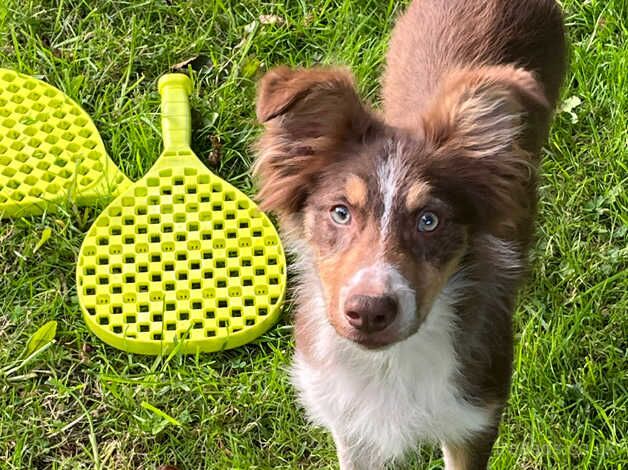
{"x":303,"y":94}
{"x":282,"y":87}
{"x":310,"y":115}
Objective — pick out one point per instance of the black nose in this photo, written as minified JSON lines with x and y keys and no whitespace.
{"x":370,"y":314}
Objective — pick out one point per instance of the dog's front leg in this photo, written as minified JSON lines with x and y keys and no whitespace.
{"x":354,"y":457}
{"x":472,"y":455}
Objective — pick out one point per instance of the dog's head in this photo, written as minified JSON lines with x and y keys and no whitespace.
{"x":389,"y":213}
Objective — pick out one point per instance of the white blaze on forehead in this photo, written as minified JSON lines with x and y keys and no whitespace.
{"x":382,"y":279}
{"x":389,"y":176}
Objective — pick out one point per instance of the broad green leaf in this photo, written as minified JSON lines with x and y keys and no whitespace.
{"x":41,"y":337}
{"x":45,"y":235}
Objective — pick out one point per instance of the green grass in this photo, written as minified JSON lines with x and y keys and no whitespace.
{"x":81,"y":404}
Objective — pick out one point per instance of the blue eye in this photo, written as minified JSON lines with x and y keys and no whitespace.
{"x":340,"y":214}
{"x":428,"y":221}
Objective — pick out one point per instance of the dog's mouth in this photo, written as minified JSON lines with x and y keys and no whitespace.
{"x":380,"y":340}
{"x":375,"y":342}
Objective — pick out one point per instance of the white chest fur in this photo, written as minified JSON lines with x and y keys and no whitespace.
{"x":388,"y":401}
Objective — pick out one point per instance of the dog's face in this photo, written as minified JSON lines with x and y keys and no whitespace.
{"x":388,"y":213}
{"x":384,"y":243}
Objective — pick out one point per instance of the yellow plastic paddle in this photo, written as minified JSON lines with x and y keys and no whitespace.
{"x":50,"y":150}
{"x":181,"y":255}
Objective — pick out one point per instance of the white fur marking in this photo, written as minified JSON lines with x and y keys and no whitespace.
{"x":389,"y":174}
{"x":384,"y":402}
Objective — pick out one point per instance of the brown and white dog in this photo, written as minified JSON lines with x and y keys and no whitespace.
{"x":411,"y":226}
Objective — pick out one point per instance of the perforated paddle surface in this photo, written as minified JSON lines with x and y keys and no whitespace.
{"x":182,"y":255}
{"x":50,"y":149}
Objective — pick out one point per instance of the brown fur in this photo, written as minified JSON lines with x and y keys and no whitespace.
{"x":468,"y":95}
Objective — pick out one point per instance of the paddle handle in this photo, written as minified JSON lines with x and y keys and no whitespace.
{"x":176,"y":126}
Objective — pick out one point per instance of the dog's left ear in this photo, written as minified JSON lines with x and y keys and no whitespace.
{"x":482,"y":128}
{"x":486,"y":110}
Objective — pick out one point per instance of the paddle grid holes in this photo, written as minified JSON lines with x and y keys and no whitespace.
{"x":31,"y":131}
{"x":12,"y":183}
{"x":192,"y":269}
{"x":8,"y":172}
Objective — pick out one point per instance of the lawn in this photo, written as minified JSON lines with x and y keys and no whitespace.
{"x":81,"y":404}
